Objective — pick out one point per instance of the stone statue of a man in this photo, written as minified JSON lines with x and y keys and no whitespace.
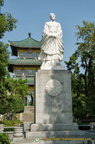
{"x":51,"y":44}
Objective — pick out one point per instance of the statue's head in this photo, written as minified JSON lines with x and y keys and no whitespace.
{"x":52,"y":16}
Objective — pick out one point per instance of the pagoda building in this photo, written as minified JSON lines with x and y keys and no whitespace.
{"x":26,"y":63}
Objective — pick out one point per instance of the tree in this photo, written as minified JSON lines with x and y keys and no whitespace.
{"x":1,"y":2}
{"x":82,"y":66}
{"x":4,"y":55}
{"x":7,"y":22}
{"x":11,"y":91}
{"x":12,"y":96}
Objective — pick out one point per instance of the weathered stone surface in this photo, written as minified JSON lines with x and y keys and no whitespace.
{"x":49,"y":108}
{"x":18,"y":132}
{"x":53,"y":127}
{"x":60,"y":134}
{"x":31,"y":141}
{"x":53,"y":87}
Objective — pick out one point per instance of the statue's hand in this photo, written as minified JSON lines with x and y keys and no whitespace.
{"x":53,"y":34}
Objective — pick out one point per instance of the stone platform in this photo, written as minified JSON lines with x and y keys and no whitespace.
{"x":60,"y":134}
{"x":67,"y":137}
{"x":57,"y":131}
{"x":28,"y":141}
{"x":53,"y":127}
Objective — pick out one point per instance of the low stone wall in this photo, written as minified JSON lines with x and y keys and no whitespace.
{"x":17,"y":131}
{"x":1,"y":128}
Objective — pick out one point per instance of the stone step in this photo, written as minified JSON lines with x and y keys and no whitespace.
{"x":31,"y":141}
{"x":28,"y":109}
{"x":28,"y":117}
{"x":60,"y":134}
{"x":28,"y":114}
{"x":53,"y":127}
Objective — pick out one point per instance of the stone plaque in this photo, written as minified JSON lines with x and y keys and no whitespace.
{"x":53,"y":87}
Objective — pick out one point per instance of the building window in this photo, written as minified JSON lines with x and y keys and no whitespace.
{"x":29,"y":72}
{"x":35,"y":55}
{"x":18,"y":72}
{"x":21,"y":55}
{"x":28,"y":55}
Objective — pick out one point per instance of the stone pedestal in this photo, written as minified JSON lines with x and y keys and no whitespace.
{"x":53,"y":107}
{"x":53,"y":102}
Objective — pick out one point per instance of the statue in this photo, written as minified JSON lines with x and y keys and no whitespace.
{"x":51,"y":44}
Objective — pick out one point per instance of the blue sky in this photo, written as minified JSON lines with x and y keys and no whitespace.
{"x":32,"y":15}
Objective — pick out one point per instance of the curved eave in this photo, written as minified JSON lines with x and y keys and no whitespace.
{"x":22,"y":62}
{"x":23,"y":47}
{"x":26,"y":43}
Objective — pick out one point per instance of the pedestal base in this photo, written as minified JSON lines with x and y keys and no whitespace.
{"x":59,"y":137}
{"x":53,"y":127}
{"x":46,"y":131}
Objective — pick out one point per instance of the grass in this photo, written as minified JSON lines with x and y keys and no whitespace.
{"x":11,"y":122}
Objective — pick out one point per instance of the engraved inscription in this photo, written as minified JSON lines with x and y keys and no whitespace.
{"x":53,"y":87}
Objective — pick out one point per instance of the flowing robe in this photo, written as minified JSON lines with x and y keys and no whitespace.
{"x":51,"y":43}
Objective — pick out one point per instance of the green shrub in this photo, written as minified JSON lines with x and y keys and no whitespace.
{"x":4,"y":139}
{"x":18,"y":105}
{"x":8,"y":129}
{"x":11,"y":104}
{"x":11,"y":122}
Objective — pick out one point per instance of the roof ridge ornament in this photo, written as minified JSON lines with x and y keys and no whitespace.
{"x":29,"y":34}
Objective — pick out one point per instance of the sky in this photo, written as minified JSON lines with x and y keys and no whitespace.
{"x":33,"y":14}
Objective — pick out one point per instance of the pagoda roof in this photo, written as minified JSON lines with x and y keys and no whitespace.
{"x":26,"y":43}
{"x":30,"y":80}
{"x":22,"y":62}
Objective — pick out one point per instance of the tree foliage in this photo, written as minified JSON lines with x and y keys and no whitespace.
{"x":7,"y":22}
{"x":11,"y":91}
{"x":82,"y":66}
{"x":12,"y":95}
{"x":4,"y":138}
{"x":4,"y":55}
{"x":1,"y":2}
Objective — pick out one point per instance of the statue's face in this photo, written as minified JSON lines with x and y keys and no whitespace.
{"x":52,"y":16}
